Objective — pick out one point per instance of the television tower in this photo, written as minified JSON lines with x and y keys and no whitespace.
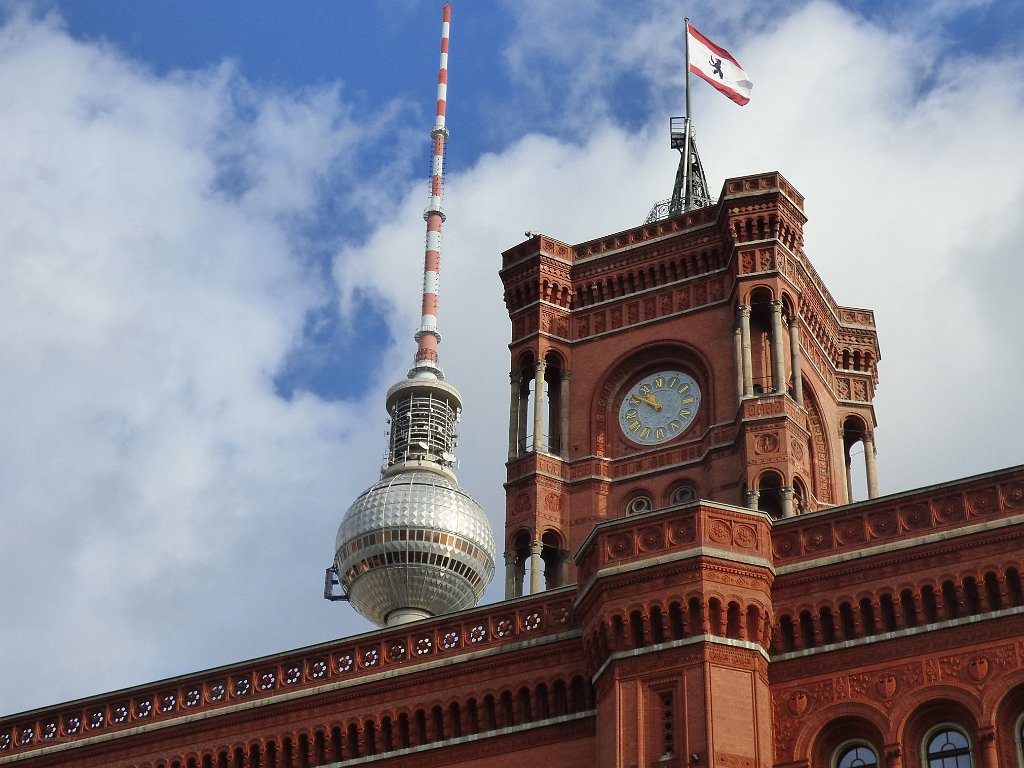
{"x":415,"y":544}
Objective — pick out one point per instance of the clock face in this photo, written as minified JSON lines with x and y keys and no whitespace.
{"x":659,"y":407}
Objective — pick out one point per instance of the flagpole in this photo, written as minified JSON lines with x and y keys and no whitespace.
{"x":686,"y":23}
{"x":687,"y":194}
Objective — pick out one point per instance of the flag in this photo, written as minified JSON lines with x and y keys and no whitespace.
{"x":718,"y":67}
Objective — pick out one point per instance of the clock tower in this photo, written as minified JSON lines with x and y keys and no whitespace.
{"x":697,"y":356}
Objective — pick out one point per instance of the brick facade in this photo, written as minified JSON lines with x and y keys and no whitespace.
{"x":709,"y":600}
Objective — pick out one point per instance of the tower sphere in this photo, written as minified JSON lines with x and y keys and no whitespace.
{"x":414,"y":545}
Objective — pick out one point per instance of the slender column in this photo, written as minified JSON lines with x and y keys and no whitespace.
{"x":520,"y":575}
{"x":750,"y":499}
{"x":778,"y":365}
{"x":794,"y":349}
{"x":513,"y":415}
{"x":563,"y":416}
{"x":535,"y":547}
{"x":748,"y":376}
{"x":786,"y":492}
{"x":870,"y":467}
{"x":848,"y":485}
{"x":538,"y":407}
{"x":987,"y":741}
{"x":738,"y":340}
{"x":510,"y":574}
{"x":893,"y":756}
{"x":524,"y":406}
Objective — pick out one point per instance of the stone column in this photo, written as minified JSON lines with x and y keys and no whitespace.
{"x":362,"y":740}
{"x":535,"y":568}
{"x":750,"y":499}
{"x":563,"y":417}
{"x":870,"y":467}
{"x":538,"y":407}
{"x":748,"y":375}
{"x":564,"y":556}
{"x":794,"y":348}
{"x":848,"y":485}
{"x":893,"y":756}
{"x":520,"y":576}
{"x":510,"y":574}
{"x":987,"y":741}
{"x":738,"y":342}
{"x":786,"y":492}
{"x":524,"y":410}
{"x":513,"y":415}
{"x":778,"y":365}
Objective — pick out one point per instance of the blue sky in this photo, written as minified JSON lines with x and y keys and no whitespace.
{"x":210,"y":221}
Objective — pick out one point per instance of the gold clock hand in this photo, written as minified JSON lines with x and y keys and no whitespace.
{"x":649,"y":400}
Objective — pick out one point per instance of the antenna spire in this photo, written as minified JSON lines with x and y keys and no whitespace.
{"x":427,"y":335}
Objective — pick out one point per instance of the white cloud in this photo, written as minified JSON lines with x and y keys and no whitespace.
{"x":147,"y":463}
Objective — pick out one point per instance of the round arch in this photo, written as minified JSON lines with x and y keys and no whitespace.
{"x":822,"y":730}
{"x":653,"y":356}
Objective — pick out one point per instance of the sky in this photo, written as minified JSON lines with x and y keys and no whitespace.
{"x":211,"y":248}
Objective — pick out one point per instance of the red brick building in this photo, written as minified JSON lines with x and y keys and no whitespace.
{"x":689,"y":582}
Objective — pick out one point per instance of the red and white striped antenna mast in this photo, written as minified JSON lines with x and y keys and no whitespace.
{"x":427,"y":335}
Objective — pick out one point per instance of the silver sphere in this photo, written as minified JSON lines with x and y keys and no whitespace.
{"x":414,"y":545}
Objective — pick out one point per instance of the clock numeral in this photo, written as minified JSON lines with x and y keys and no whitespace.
{"x":684,"y":389}
{"x":635,"y":426}
{"x":646,"y":390}
{"x":687,"y":400}
{"x":632,"y":414}
{"x":645,"y":433}
{"x":659,"y":383}
{"x":673,"y":382}
{"x":685,"y":413}
{"x":675,"y":426}
{"x":659,"y":433}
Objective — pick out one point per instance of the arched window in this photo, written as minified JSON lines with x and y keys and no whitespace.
{"x":856,"y":756}
{"x":639,"y":504}
{"x":683,"y":494}
{"x":948,"y":748}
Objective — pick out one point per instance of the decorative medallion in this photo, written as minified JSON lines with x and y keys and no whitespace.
{"x":785,"y":545}
{"x":681,"y":532}
{"x":766,"y":443}
{"x":950,"y":509}
{"x":983,"y":502}
{"x":916,"y":516}
{"x":978,"y":668}
{"x":620,"y":545}
{"x":797,"y":450}
{"x":651,"y":539}
{"x":885,"y":686}
{"x":797,"y":703}
{"x":882,"y":525}
{"x":744,"y":536}
{"x":396,"y":651}
{"x":1014,"y":494}
{"x":817,"y":538}
{"x":719,"y":532}
{"x":851,"y":531}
